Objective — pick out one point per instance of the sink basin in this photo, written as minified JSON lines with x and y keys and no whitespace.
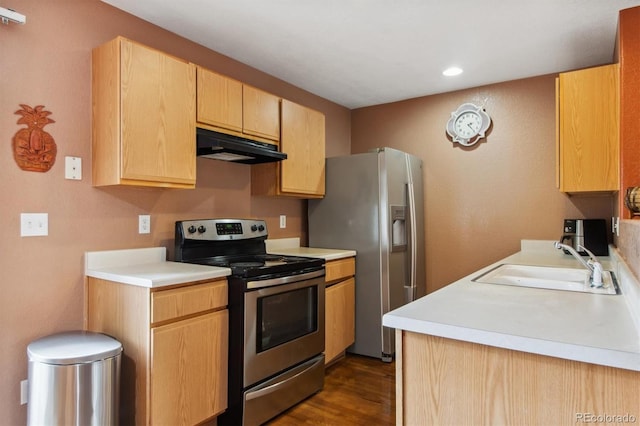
{"x":548,"y":277}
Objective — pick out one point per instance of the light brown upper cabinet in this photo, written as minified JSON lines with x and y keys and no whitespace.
{"x":302,"y":173}
{"x":229,"y":106}
{"x":143,"y":117}
{"x":587,"y":129}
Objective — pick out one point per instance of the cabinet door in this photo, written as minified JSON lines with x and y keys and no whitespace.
{"x":339,"y":318}
{"x":588,"y":130}
{"x":189,"y":370}
{"x":219,"y":100}
{"x":157,"y":116}
{"x":303,"y":140}
{"x":260,"y":113}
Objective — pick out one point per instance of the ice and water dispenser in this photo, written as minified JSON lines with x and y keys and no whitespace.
{"x":398,"y":229}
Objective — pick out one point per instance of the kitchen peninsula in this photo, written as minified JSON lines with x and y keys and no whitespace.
{"x":474,"y":353}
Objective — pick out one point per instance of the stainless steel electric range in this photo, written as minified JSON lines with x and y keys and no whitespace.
{"x":276,"y":316}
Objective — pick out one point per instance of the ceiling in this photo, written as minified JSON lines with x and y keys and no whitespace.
{"x":366,"y":52}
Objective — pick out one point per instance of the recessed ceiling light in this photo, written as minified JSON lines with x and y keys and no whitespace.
{"x":451,"y":71}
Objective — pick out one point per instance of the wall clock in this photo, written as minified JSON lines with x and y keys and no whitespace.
{"x":468,"y":124}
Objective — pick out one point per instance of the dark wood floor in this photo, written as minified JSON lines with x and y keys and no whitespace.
{"x":357,"y":390}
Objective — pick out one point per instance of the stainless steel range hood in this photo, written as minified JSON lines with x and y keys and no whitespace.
{"x":220,"y":146}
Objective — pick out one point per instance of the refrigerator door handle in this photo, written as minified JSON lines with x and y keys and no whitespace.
{"x":412,"y":246}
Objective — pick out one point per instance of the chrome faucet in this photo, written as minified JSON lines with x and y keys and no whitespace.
{"x":593,"y":264}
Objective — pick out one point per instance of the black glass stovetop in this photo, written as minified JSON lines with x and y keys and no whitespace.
{"x":261,"y":264}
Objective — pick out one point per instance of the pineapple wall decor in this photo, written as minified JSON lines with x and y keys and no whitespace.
{"x":34,"y":149}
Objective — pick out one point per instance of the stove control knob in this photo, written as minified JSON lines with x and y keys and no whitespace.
{"x":191,"y":229}
{"x":261,"y":228}
{"x":201,"y":229}
{"x":254,"y":228}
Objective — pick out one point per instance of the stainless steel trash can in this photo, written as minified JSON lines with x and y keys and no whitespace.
{"x":74,"y":379}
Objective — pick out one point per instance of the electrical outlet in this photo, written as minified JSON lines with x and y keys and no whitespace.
{"x":144,"y":224}
{"x":283,"y":221}
{"x":73,"y":168}
{"x":24,"y":392}
{"x":34,"y":224}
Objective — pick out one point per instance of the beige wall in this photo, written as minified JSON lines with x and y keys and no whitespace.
{"x":47,"y":62}
{"x":482,"y":200}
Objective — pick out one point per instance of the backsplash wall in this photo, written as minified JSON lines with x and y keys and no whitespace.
{"x":47,"y":62}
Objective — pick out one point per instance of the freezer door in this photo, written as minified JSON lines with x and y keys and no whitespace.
{"x":348,"y":217}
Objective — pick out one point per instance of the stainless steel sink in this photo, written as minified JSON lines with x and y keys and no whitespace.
{"x":548,"y":277}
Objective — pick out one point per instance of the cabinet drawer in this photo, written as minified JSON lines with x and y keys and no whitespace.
{"x":342,"y":268}
{"x":179,"y":302}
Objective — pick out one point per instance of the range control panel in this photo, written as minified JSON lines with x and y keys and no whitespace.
{"x":232,"y":228}
{"x":221,"y":229}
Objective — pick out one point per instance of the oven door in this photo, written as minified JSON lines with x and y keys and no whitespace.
{"x":284,"y":323}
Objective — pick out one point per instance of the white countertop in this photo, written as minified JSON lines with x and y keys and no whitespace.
{"x":326,"y":254}
{"x":146,"y":267}
{"x":291,"y":247}
{"x":599,"y":329}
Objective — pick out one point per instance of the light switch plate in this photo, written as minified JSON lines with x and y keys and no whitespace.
{"x":283,"y":221}
{"x":34,"y":224}
{"x":73,"y":168}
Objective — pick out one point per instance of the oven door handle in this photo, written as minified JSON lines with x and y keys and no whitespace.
{"x":284,"y":280}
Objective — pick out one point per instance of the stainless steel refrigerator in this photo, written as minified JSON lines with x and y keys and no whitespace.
{"x":374,"y":205}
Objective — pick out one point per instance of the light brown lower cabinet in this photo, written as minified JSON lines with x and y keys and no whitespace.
{"x":443,"y":381}
{"x":175,"y":340}
{"x":339,"y":308}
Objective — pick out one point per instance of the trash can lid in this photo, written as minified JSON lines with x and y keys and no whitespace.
{"x":73,"y":347}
